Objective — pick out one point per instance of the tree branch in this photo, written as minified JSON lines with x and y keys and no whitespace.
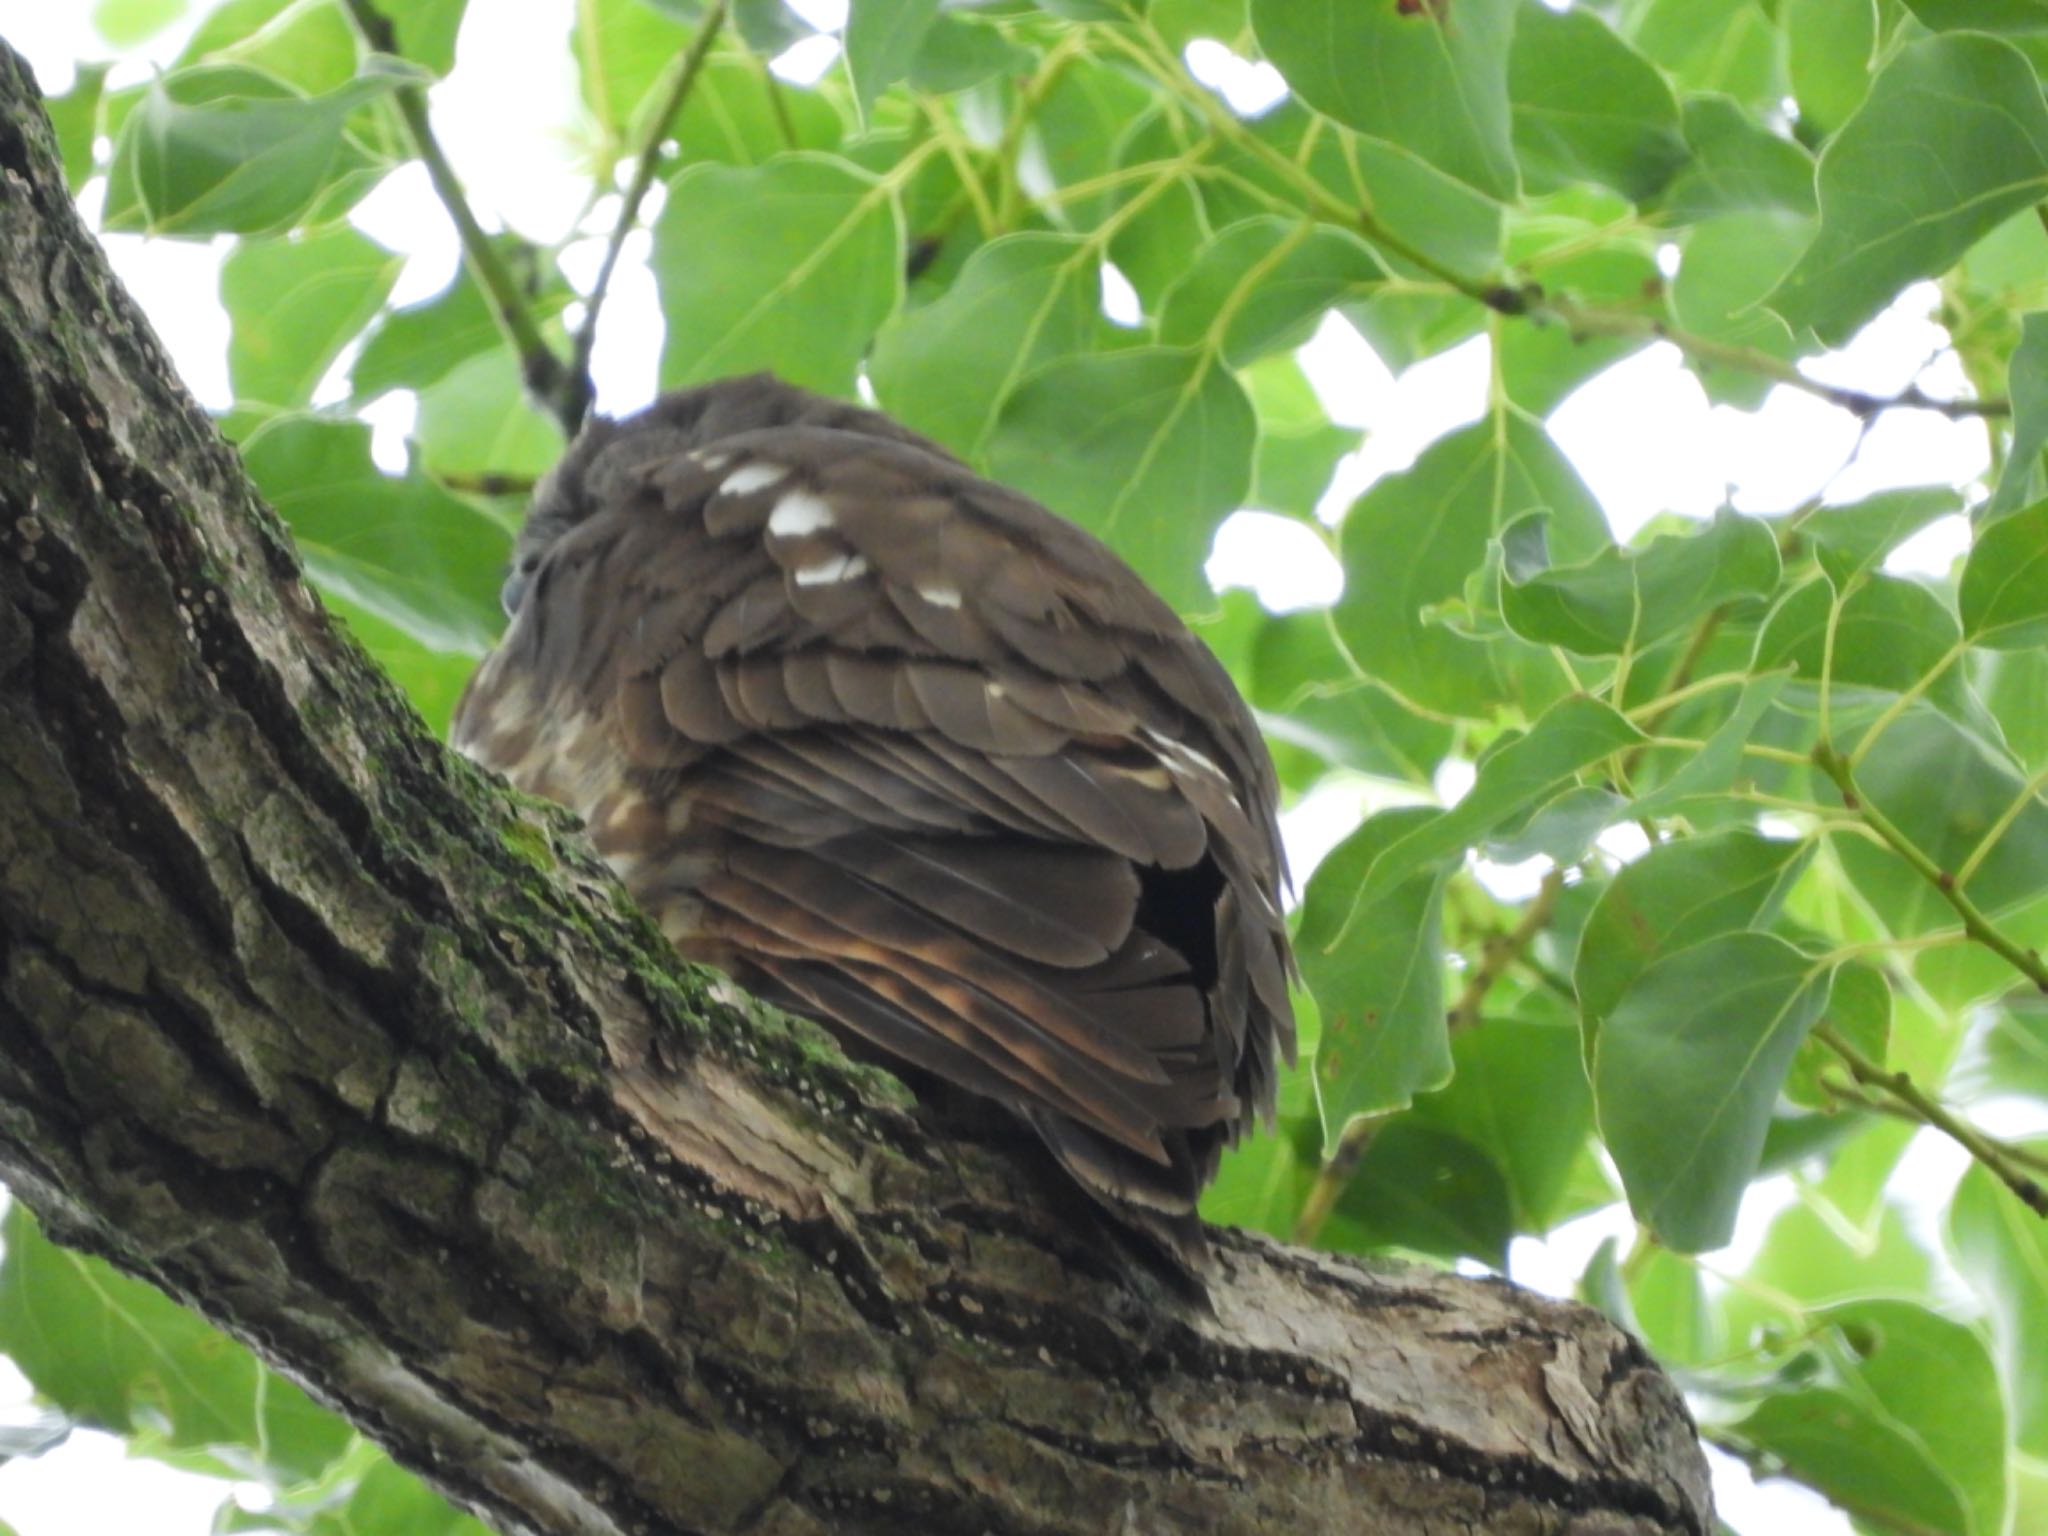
{"x":304,"y":1021}
{"x":1593,"y":320}
{"x":1901,"y":1090}
{"x":563,"y":394}
{"x":686,"y":69}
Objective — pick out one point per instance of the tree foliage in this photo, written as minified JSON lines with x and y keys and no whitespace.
{"x":1831,"y":932}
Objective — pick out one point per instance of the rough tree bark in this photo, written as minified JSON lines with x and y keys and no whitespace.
{"x":305,"y":1022}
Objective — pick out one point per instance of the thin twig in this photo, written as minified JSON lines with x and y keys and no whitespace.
{"x":1979,"y":927}
{"x":1902,"y":1090}
{"x":1590,"y":320}
{"x":577,"y":386}
{"x":1501,"y":951}
{"x":541,"y":368}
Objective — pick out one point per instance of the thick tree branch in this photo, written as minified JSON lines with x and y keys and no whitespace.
{"x":306,"y":1022}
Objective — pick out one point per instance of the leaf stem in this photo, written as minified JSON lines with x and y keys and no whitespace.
{"x":1902,"y":1090}
{"x":543,"y":371}
{"x":1979,"y":927}
{"x":576,"y":387}
{"x":1334,"y":1177}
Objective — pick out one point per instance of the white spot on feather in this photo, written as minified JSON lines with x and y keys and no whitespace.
{"x":1178,"y":754}
{"x":940,"y":597}
{"x":752,"y":477}
{"x":800,"y":513}
{"x":711,"y":461}
{"x":838,"y":568}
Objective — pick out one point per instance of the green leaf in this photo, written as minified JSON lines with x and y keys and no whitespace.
{"x":1850,"y":539}
{"x":1265,"y":282}
{"x":312,"y":47}
{"x":115,"y":1353}
{"x":1628,"y":599}
{"x":1562,"y":829}
{"x":1905,"y":1416}
{"x":427,"y":30}
{"x":1952,"y":138}
{"x":621,"y":48}
{"x":1379,"y":991}
{"x":2006,"y":1052}
{"x":736,"y":115}
{"x":769,"y":26}
{"x":1828,"y":46}
{"x":1148,"y":449}
{"x":2012,"y":685}
{"x":883,"y":37}
{"x":477,"y":421}
{"x":1576,"y":734}
{"x":223,"y":148}
{"x":1981,"y":15}
{"x":1414,"y":538}
{"x":2004,"y":594}
{"x":1860,"y":1011}
{"x":1519,"y":1094}
{"x":1946,"y":790}
{"x":1308,"y":696}
{"x":1730,"y":46}
{"x":1298,"y":446}
{"x":295,"y":304}
{"x":1155,"y":223}
{"x":1424,"y":1190}
{"x":1731,"y":263}
{"x":75,"y":116}
{"x":1432,"y":79}
{"x":957,"y":54}
{"x":2027,"y":376}
{"x":1686,"y":1069}
{"x":1587,"y":107}
{"x":2002,"y":1249}
{"x":404,"y":550}
{"x":125,"y":23}
{"x":414,"y":347}
{"x":1019,"y":302}
{"x":1674,"y":897}
{"x":1891,"y":633}
{"x":807,"y":265}
{"x":1715,"y":766}
{"x":1737,"y":166}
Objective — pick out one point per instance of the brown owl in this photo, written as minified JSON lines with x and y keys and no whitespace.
{"x":899,"y":749}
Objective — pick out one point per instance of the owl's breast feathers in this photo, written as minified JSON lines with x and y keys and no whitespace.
{"x":902,"y":750}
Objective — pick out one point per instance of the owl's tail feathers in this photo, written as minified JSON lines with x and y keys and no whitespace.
{"x":1152,"y":1203}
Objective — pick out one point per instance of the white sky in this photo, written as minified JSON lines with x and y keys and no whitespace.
{"x":1642,"y":434}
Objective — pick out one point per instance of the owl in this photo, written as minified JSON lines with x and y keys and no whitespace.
{"x":902,"y":751}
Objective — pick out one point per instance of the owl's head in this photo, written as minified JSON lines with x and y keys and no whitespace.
{"x":606,"y":450}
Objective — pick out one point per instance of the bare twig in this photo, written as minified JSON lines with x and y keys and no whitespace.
{"x":685,"y":72}
{"x":1498,"y":953}
{"x":539,"y":365}
{"x":1591,"y":320}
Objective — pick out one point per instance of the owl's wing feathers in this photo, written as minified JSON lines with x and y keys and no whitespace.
{"x":906,"y":750}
